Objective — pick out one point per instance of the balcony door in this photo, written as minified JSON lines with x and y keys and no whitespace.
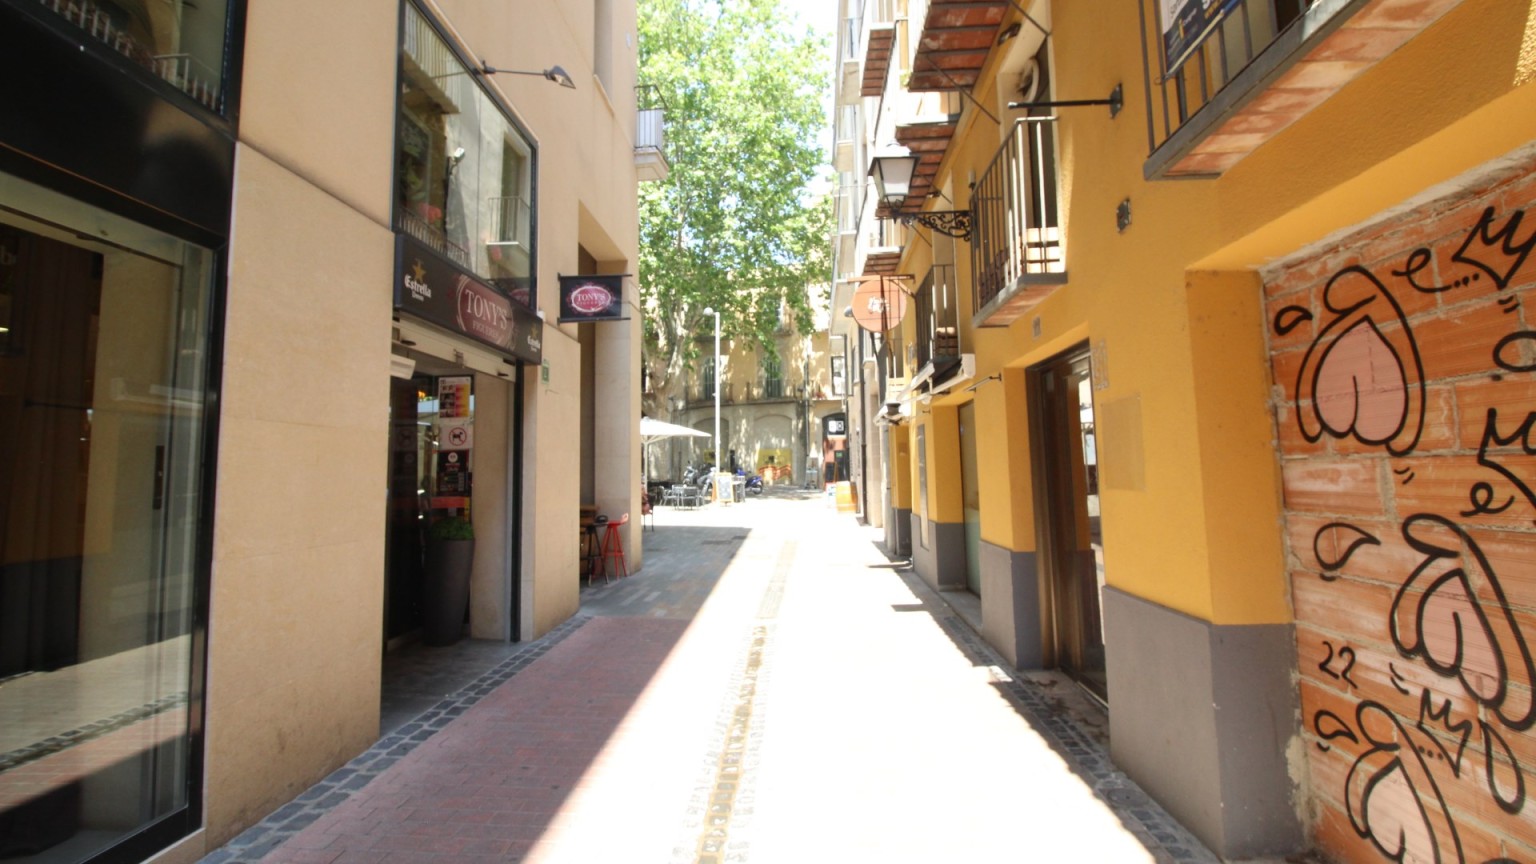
{"x":1067,"y":497}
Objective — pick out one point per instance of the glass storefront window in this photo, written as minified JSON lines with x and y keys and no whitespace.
{"x":464,"y":179}
{"x":104,"y":335}
{"x":180,"y":41}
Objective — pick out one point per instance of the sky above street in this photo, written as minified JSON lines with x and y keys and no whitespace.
{"x":818,"y":13}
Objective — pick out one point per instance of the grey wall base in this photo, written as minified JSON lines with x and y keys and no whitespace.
{"x":898,"y":533}
{"x":1201,"y":715}
{"x":1010,"y":605}
{"x":938,"y":554}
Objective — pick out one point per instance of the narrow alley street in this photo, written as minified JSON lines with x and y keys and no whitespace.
{"x":771,"y":688}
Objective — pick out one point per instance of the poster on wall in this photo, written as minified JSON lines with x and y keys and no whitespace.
{"x":453,"y":397}
{"x":1185,"y":24}
{"x":452,"y":475}
{"x":592,"y":298}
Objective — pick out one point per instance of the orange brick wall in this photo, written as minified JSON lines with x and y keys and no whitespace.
{"x":1405,"y":360}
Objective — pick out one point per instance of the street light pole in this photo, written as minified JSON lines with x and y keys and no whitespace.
{"x":714,"y":475}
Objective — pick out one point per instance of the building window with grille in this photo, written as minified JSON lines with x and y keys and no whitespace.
{"x":773,"y":377}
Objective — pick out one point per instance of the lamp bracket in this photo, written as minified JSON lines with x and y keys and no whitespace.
{"x":951,"y":223}
{"x":1116,"y":102}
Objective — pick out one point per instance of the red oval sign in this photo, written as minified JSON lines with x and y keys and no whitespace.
{"x":591,"y":299}
{"x":879,"y":304}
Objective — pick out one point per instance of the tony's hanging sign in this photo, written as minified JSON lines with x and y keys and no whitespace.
{"x":435,"y":290}
{"x":592,"y":298}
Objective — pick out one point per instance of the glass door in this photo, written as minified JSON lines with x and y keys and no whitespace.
{"x":1071,"y":541}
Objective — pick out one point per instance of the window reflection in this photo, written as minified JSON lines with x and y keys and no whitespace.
{"x":101,"y":430}
{"x":464,"y":176}
{"x":180,"y":41}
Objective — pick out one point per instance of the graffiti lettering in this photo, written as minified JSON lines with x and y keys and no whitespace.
{"x":1346,"y":655}
{"x":1419,"y":260}
{"x":1483,"y":240}
{"x":1515,"y":341}
{"x":1481,"y":494}
{"x":1429,"y":714}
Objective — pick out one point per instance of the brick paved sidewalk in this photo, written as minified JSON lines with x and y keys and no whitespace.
{"x":770,"y":689}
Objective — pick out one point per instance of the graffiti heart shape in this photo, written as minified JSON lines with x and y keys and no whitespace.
{"x":1364,"y":379}
{"x":1389,"y":811}
{"x":1360,"y":388}
{"x":1387,"y":790}
{"x":1453,"y":613}
{"x":1456,"y":635}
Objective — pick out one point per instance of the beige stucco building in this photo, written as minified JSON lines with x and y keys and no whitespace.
{"x":290,"y":272}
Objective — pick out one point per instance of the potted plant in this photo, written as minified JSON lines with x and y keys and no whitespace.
{"x":450,"y":553}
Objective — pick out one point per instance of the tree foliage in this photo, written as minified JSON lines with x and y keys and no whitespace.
{"x":731,"y":227}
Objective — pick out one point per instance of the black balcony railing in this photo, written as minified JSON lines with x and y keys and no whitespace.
{"x":937,"y":314}
{"x":1016,"y":239}
{"x":1210,"y":85}
{"x":433,"y":236}
{"x":1215,"y":58}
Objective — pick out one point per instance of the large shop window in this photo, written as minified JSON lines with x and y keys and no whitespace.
{"x":464,"y":177}
{"x":181,"y":42}
{"x":104,"y":331}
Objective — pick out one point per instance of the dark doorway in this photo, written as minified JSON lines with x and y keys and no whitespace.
{"x":1067,"y":499}
{"x":402,"y":560}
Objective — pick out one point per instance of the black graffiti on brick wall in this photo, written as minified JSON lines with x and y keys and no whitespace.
{"x":1451,"y":615}
{"x":1466,"y":689}
{"x":1489,"y":249}
{"x":1362,"y":376}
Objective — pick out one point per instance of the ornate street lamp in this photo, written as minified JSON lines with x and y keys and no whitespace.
{"x":893,"y":183}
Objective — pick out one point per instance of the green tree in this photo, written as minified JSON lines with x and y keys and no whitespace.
{"x":733,"y":226}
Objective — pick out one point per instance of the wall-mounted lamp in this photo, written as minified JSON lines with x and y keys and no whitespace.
{"x":893,"y":183}
{"x":553,"y":73}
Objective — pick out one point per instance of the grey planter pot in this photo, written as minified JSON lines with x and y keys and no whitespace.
{"x":445,"y":596}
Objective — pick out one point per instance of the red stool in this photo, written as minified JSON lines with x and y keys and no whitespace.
{"x":613,"y":548}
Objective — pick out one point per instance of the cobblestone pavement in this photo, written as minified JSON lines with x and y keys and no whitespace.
{"x":769,"y":689}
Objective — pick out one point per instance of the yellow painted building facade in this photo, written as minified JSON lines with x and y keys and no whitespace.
{"x":1170,"y":444}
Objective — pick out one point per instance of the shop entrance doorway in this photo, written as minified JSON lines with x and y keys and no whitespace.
{"x":1067,"y":499}
{"x":429,"y":477}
